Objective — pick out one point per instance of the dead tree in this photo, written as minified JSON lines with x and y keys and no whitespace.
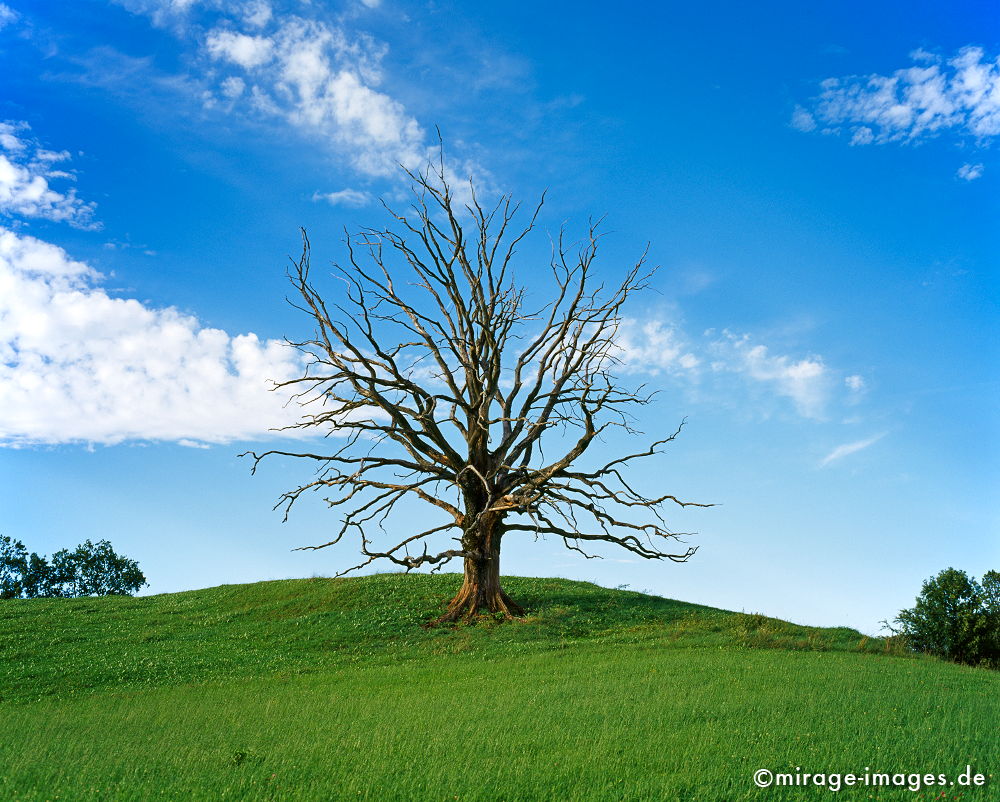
{"x":444,"y":385}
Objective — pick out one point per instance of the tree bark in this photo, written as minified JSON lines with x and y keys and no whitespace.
{"x":481,"y":592}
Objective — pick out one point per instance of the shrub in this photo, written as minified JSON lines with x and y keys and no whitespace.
{"x":956,"y":617}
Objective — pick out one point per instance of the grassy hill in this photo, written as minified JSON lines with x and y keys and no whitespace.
{"x":332,"y":689}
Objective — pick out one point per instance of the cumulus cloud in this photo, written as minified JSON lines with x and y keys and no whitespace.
{"x":847,"y":449}
{"x":970,"y":172}
{"x":960,"y":95}
{"x":239,"y":48}
{"x":352,"y":198}
{"x":77,"y":365}
{"x":26,"y":170}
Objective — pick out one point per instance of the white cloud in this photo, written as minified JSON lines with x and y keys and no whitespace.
{"x":77,"y":365}
{"x":233,"y":87}
{"x":352,"y":198}
{"x":654,"y":347}
{"x":257,"y":13}
{"x":970,"y":172}
{"x":802,"y":120}
{"x":862,"y":136}
{"x":318,"y":79}
{"x":924,"y":56}
{"x":7,"y":15}
{"x":162,"y":12}
{"x":9,"y":140}
{"x":961,"y":95}
{"x":315,"y":75}
{"x":855,"y":383}
{"x":658,"y":347}
{"x":246,"y":51}
{"x":25,"y":171}
{"x":807,"y":381}
{"x":847,"y":449}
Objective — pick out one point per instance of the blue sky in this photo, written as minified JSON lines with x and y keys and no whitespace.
{"x":819,"y":184}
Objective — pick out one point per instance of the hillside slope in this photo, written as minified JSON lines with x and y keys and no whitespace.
{"x":332,"y":690}
{"x":62,"y":647}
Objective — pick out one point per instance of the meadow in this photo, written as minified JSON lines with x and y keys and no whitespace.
{"x":325,"y":689}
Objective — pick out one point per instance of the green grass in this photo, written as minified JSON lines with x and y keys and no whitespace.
{"x":322,"y":689}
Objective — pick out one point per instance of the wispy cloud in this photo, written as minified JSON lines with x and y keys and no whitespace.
{"x":970,"y":172}
{"x":846,"y":449}
{"x":660,"y":347}
{"x":308,"y":70}
{"x":654,"y":347}
{"x":856,"y":383}
{"x":7,"y":15}
{"x":26,"y":170}
{"x":803,"y":120}
{"x":352,"y":198}
{"x":806,"y":381}
{"x":162,"y":12}
{"x":317,"y":77}
{"x":960,"y":95}
{"x":257,"y":13}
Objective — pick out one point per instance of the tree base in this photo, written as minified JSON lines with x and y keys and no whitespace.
{"x":473,"y":601}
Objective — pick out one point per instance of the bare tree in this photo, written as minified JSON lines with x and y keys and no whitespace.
{"x":445,"y":385}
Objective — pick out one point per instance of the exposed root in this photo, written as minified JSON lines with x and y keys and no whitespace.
{"x":470,"y":603}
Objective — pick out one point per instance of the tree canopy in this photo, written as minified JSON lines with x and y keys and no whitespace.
{"x":91,"y":569}
{"x":956,"y":617}
{"x":444,"y":384}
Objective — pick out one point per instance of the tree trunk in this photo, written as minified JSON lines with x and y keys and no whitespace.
{"x":481,"y":592}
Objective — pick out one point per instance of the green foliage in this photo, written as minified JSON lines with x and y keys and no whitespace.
{"x":331,"y":690}
{"x":957,"y":618}
{"x":13,"y":564}
{"x":91,"y":569}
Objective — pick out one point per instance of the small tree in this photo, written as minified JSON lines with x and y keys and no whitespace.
{"x":956,"y":617}
{"x":444,"y":384}
{"x":91,"y":569}
{"x":13,"y":564}
{"x":37,"y":578}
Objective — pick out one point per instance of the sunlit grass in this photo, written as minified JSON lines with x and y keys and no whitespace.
{"x":323,"y":690}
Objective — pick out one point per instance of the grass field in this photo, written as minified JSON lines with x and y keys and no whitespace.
{"x":322,"y":689}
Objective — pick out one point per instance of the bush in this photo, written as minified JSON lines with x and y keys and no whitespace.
{"x":957,"y":618}
{"x":91,"y":569}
